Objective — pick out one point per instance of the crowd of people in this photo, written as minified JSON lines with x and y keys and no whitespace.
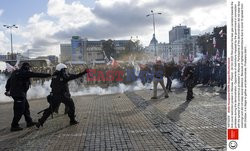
{"x":210,"y":73}
{"x":205,"y":72}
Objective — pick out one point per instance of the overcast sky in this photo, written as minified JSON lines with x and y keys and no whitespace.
{"x":44,"y":24}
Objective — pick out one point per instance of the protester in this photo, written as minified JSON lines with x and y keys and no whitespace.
{"x":158,"y":70}
{"x":189,"y":81}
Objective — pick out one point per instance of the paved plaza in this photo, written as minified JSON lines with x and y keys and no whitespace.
{"x":127,"y":121}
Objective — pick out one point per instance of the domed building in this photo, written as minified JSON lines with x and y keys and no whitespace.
{"x":153,"y":45}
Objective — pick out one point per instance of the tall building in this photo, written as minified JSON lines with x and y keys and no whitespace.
{"x":178,"y":33}
{"x":66,"y":52}
{"x":94,"y":53}
{"x":77,"y":48}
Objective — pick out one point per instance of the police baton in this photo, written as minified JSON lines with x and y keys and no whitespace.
{"x":45,"y":109}
{"x":41,"y":111}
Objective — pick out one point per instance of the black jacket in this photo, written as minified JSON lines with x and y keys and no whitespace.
{"x":189,"y":73}
{"x":19,"y":82}
{"x":59,"y":83}
{"x":159,"y":71}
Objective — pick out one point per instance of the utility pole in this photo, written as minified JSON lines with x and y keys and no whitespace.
{"x":11,"y":44}
{"x":153,"y":14}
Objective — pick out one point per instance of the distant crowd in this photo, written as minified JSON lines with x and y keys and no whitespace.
{"x":211,"y":73}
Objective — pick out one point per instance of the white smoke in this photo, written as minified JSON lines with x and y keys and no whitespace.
{"x":137,"y":69}
{"x":198,"y":57}
{"x":120,"y":88}
{"x":2,"y":66}
{"x":175,"y":83}
{"x":3,"y":98}
{"x":35,"y":92}
{"x":41,"y":91}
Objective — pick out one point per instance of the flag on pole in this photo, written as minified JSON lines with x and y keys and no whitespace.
{"x":221,"y":33}
{"x":214,"y":42}
{"x":10,"y":68}
{"x":217,"y":56}
{"x":17,"y":62}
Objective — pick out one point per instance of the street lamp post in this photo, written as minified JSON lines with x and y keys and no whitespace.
{"x":153,"y":14}
{"x":11,"y":45}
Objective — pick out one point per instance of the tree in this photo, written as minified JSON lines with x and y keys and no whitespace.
{"x":188,"y":48}
{"x":221,"y":39}
{"x":206,"y":43}
{"x":138,"y":45}
{"x":130,"y":46}
{"x":109,"y":48}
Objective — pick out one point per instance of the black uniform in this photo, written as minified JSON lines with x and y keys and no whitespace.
{"x":60,"y":94}
{"x":18,"y":85}
{"x":189,"y":81}
{"x":169,"y":69}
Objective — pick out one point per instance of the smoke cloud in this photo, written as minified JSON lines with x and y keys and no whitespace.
{"x":198,"y":57}
{"x":79,"y":89}
{"x":3,"y":98}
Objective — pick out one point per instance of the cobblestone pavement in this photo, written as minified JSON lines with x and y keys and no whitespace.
{"x":127,"y":121}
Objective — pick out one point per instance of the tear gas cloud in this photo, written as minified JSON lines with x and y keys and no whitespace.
{"x":41,"y":91}
{"x":198,"y":57}
{"x":3,"y":98}
{"x":77,"y":89}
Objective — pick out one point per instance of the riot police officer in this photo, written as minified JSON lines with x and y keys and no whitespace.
{"x":60,"y":94}
{"x":17,"y":87}
{"x":189,"y":81}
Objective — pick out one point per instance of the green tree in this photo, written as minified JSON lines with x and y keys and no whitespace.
{"x":130,"y":46}
{"x":138,"y":45}
{"x":221,"y":39}
{"x":109,"y":48}
{"x":188,"y":48}
{"x":206,"y":43}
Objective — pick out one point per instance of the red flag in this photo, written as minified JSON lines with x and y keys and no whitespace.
{"x":10,"y":68}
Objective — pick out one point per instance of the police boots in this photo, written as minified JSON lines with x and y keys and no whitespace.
{"x":18,"y":128}
{"x":73,"y":122}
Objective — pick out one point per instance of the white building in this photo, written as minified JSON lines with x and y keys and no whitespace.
{"x":181,"y":45}
{"x":153,"y":46}
{"x":78,"y":47}
{"x":178,"y":33}
{"x":94,"y":52}
{"x":66,"y":52}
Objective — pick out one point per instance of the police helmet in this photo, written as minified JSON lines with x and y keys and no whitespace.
{"x":60,"y":66}
{"x":158,"y":59}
